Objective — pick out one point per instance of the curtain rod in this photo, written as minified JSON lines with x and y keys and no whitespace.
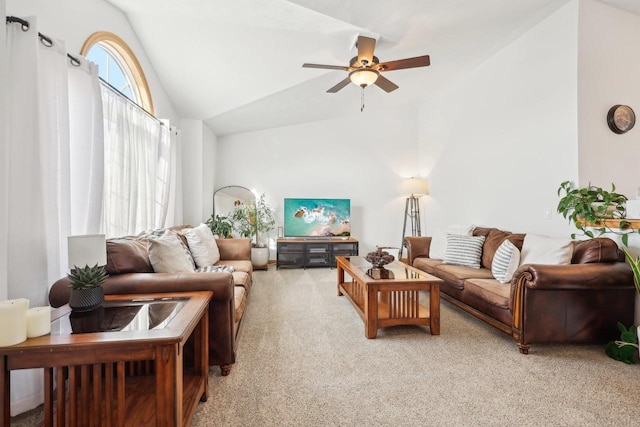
{"x":43,"y":39}
{"x":76,"y":63}
{"x":132,"y":102}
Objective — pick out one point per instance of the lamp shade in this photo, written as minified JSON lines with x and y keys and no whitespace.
{"x":414,"y":187}
{"x":364,"y":76}
{"x":89,"y":249}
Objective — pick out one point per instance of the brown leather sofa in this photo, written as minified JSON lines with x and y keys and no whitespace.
{"x":130,"y":272}
{"x":580,"y":302}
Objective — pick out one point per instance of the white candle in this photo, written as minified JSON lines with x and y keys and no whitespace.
{"x":13,"y":321}
{"x":38,"y":321}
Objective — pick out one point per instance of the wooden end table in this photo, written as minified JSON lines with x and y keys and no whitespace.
{"x":131,"y":375}
{"x":389,"y":297}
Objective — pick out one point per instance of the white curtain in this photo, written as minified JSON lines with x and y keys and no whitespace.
{"x":138,"y":167}
{"x":39,"y":198}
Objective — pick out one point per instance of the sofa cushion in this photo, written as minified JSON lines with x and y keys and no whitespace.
{"x":538,"y":249}
{"x":455,"y":275}
{"x":494,"y":238}
{"x":127,"y":255}
{"x":168,"y":254}
{"x":438,"y":247}
{"x":599,"y":249}
{"x":202,"y":245}
{"x":238,"y":265}
{"x":240,"y":301}
{"x":242,"y":279}
{"x":428,"y":265}
{"x":489,"y":290}
{"x":464,"y":250}
{"x":505,"y":262}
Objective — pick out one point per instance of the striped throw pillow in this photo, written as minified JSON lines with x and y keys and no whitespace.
{"x":464,"y":250}
{"x":505,"y":262}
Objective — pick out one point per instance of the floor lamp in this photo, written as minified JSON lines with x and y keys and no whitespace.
{"x":413,"y":188}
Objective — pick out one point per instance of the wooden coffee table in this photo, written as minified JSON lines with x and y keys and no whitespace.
{"x":131,"y":376}
{"x":389,"y":297}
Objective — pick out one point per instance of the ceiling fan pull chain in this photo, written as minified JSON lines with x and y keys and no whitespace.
{"x":362,"y":99}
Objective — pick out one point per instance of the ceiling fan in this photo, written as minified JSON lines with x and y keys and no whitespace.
{"x":364,"y":69}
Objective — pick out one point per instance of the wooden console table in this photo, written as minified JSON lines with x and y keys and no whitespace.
{"x":131,"y":376}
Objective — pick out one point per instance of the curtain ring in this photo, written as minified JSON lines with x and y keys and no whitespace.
{"x":22,"y":22}
{"x":45,"y":40}
{"x":74,"y":61}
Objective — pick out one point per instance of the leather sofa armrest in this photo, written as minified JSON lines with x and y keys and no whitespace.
{"x":417,"y":246}
{"x":147,"y":283}
{"x":604,"y":275}
{"x":234,"y":249}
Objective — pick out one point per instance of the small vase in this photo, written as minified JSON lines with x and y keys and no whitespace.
{"x":86,"y":299}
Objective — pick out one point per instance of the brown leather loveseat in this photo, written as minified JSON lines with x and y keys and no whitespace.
{"x":577,"y":302}
{"x":130,"y":272}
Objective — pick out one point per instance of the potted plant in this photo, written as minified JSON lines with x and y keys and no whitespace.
{"x":254,"y":219}
{"x":220,"y":226}
{"x":588,"y":207}
{"x":86,"y":283}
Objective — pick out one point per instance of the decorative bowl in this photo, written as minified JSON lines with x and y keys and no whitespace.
{"x":379,"y":258}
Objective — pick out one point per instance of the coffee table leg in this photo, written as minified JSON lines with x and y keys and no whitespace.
{"x":340,"y":271}
{"x":371,"y":313}
{"x":434,"y":309}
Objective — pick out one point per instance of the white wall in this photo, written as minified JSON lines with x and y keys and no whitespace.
{"x":362,"y":157}
{"x":497,"y":144}
{"x":3,"y":214}
{"x":609,"y":66}
{"x":73,"y":21}
{"x":198,"y":160}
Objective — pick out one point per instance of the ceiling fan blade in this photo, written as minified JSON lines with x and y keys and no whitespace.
{"x":386,"y":84}
{"x":366,"y":46}
{"x":418,"y":61}
{"x":339,"y":86}
{"x":327,"y":67}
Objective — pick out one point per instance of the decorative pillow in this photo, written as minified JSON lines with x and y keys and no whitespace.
{"x":202,"y":245}
{"x":505,"y":262}
{"x":168,"y":254}
{"x":438,"y":247}
{"x":538,"y":249}
{"x":464,"y":250}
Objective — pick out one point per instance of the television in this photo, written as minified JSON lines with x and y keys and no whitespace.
{"x":319,"y":218}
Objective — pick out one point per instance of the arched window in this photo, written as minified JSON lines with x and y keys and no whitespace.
{"x":119,"y":67}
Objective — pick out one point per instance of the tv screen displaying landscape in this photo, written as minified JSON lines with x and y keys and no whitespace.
{"x":317,"y":217}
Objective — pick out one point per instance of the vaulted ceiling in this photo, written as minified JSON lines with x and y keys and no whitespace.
{"x":237,"y":64}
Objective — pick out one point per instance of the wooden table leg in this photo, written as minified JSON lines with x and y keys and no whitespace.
{"x":5,"y":392}
{"x":340,"y":271}
{"x":371,"y":312}
{"x":434,"y":309}
{"x":168,"y":386}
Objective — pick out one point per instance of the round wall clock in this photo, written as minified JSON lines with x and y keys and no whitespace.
{"x":621,"y":118}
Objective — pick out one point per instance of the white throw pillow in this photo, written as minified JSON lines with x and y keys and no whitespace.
{"x":438,"y":247}
{"x":464,"y":250}
{"x":538,"y":249}
{"x":168,"y":254}
{"x":505,"y":262}
{"x":202,"y":245}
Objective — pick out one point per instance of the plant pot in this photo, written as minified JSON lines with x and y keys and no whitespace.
{"x":260,"y":258}
{"x":608,"y":213}
{"x":86,"y":299}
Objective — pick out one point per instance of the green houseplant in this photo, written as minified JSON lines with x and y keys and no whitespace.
{"x":254,"y":219}
{"x":220,"y":226}
{"x":86,"y":283}
{"x":588,"y":207}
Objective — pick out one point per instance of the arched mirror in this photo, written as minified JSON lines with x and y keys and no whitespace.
{"x":226,"y":198}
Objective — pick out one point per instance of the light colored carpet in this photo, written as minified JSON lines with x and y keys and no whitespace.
{"x":303,"y":360}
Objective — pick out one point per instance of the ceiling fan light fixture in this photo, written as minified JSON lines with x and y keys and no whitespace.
{"x":364,"y":77}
